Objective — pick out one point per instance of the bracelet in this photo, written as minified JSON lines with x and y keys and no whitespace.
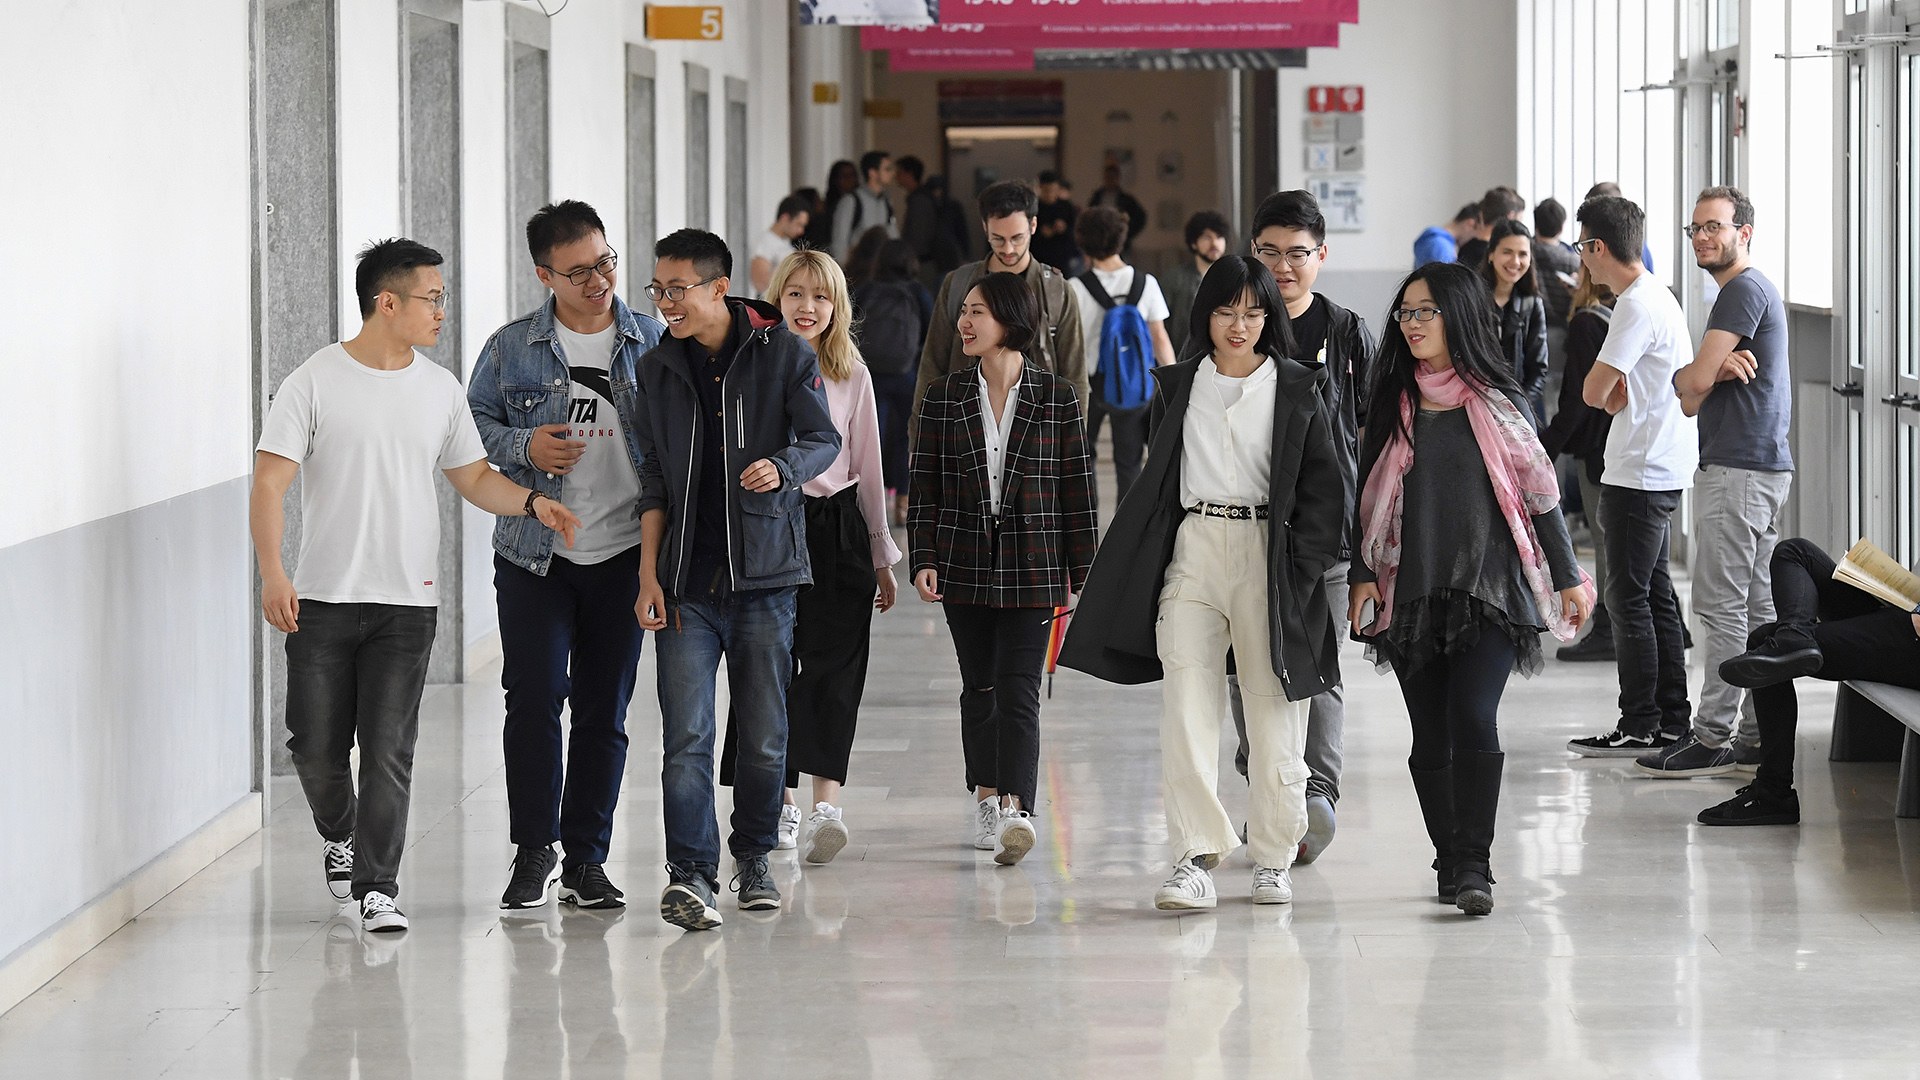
{"x":532,"y":495}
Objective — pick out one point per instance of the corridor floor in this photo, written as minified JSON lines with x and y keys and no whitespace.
{"x":1628,"y":942}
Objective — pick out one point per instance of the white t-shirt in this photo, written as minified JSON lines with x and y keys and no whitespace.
{"x":1153,"y":306}
{"x":1226,"y":440}
{"x":368,"y":443}
{"x":773,"y":247}
{"x":1652,"y":446}
{"x":603,"y":490}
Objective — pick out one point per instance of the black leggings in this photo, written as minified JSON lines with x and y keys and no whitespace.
{"x":1454,"y":700}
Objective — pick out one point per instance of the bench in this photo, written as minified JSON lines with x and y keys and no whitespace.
{"x":1878,"y":722}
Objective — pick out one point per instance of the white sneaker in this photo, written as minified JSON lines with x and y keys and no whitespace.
{"x":826,"y":834}
{"x":336,"y":859}
{"x":789,"y":827}
{"x":1189,"y":888}
{"x":1272,"y":886}
{"x":1014,"y":837}
{"x":379,"y":916}
{"x":986,"y":824}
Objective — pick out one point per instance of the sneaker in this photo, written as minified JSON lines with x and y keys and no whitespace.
{"x":754,"y":883}
{"x":1746,"y":757}
{"x":1014,"y":838}
{"x":1617,"y":743}
{"x":1755,"y":805}
{"x":1190,"y":888}
{"x":586,"y":885}
{"x":1272,"y":885}
{"x":379,"y":916}
{"x":336,"y":861}
{"x":533,"y":872}
{"x":789,"y":827}
{"x":1593,"y":648}
{"x":687,"y":901}
{"x":986,"y":824}
{"x":1786,"y":655}
{"x":1319,"y":832}
{"x":1688,"y":757}
{"x":826,"y":834}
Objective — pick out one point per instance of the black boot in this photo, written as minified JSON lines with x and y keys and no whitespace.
{"x":1435,"y":789}
{"x":1476,"y":803}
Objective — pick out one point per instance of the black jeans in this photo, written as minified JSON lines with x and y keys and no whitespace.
{"x":354,"y":674}
{"x":569,"y":638}
{"x":1859,"y":638}
{"x":893,"y":402}
{"x":1129,"y":438}
{"x":1648,"y":634}
{"x":1454,"y":700}
{"x":1001,"y":652}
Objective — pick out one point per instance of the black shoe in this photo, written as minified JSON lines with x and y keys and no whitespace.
{"x":533,"y":872}
{"x":1474,"y":890}
{"x":1755,"y":804}
{"x":754,"y":882}
{"x":1476,"y":800}
{"x":1686,"y":758}
{"x":1787,"y":655}
{"x":1617,"y":743}
{"x":586,"y":885}
{"x":688,"y":901}
{"x":1445,"y":887}
{"x":1435,"y":790}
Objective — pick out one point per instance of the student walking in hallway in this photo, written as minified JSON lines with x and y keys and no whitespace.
{"x":368,"y":421}
{"x":553,"y":394}
{"x":1123,"y":321}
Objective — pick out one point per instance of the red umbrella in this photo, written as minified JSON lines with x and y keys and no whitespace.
{"x":1058,"y":635}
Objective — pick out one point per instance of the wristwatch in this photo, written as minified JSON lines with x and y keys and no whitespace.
{"x":532,"y":495}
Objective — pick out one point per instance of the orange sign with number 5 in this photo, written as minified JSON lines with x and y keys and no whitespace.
{"x":684,"y":23}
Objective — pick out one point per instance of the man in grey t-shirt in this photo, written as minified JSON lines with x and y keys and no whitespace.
{"x":1740,"y":386}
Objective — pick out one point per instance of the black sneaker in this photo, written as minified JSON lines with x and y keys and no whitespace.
{"x":688,"y":901}
{"x":336,"y":861}
{"x":1755,"y":805}
{"x":1617,"y":743}
{"x":755,"y":885}
{"x":1593,"y":648}
{"x":1786,"y":655}
{"x":533,"y":872}
{"x":1688,"y":757}
{"x":586,"y":885}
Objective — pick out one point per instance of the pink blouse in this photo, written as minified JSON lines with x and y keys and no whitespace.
{"x":850,"y":402}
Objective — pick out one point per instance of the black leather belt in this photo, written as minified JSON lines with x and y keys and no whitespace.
{"x":1234,"y":513}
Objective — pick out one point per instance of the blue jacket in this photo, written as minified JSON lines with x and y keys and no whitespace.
{"x":521,"y":382}
{"x":1435,"y":244}
{"x":775,"y":408}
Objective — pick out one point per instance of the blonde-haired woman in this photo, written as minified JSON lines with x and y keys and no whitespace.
{"x":852,"y":553}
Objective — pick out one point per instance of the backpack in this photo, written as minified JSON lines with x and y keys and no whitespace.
{"x":891,"y":327}
{"x":1126,"y":350}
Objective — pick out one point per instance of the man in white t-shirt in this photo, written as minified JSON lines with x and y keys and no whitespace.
{"x":789,"y":224}
{"x":1101,"y":233}
{"x":369,"y":420}
{"x":1653,"y":448}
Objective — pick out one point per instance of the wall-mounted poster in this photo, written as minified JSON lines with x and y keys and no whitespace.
{"x":870,"y":12}
{"x":1343,"y":199}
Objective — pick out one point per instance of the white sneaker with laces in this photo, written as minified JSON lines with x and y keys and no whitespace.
{"x":986,"y":824}
{"x":379,"y":916}
{"x":826,"y":834}
{"x":789,"y":835}
{"x":1272,"y":885}
{"x":336,"y":860}
{"x":1190,"y":888}
{"x":1014,"y":836}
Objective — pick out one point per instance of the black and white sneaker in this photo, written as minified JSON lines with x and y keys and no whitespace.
{"x":687,"y":902}
{"x":533,"y":872}
{"x":379,"y":916}
{"x":336,"y":861}
{"x":1617,"y":743}
{"x":754,"y":882}
{"x":1687,"y":758}
{"x":586,"y":885}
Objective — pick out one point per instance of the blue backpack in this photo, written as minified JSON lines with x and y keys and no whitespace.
{"x":1126,"y":350}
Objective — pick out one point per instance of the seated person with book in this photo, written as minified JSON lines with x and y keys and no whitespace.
{"x":1855,"y":621}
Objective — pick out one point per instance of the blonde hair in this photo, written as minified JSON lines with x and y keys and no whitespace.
{"x":835,"y":345}
{"x":1589,"y":292}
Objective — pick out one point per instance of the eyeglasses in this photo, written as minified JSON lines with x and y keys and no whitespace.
{"x":1225,"y":317}
{"x":1711,"y":228}
{"x":1293,"y":256}
{"x":677,"y":293}
{"x":1007,"y":243}
{"x":585,"y":274}
{"x":1589,"y":245}
{"x":1419,"y":314}
{"x":439,"y":302}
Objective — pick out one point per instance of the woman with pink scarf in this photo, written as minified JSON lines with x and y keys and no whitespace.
{"x":1461,"y":557}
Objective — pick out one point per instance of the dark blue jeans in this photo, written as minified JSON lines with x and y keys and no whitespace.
{"x":754,"y":631}
{"x":569,"y":638}
{"x":893,"y":402}
{"x":1648,"y":633}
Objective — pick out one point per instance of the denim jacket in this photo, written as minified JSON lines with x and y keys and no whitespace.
{"x":521,"y":382}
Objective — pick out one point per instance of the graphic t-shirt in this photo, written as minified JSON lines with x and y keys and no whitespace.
{"x":602,"y":489}
{"x":368,"y":443}
{"x":1744,"y":425}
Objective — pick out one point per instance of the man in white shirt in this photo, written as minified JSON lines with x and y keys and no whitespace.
{"x":789,"y":223}
{"x":369,"y":420}
{"x":1112,"y":290}
{"x":866,"y":206}
{"x":1653,"y":448}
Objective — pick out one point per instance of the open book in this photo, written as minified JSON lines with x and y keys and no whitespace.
{"x":1874,"y":572}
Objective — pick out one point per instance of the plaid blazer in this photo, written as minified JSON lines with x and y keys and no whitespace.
{"x":1042,"y":544}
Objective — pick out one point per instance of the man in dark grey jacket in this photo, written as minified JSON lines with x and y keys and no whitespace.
{"x":731,"y":420}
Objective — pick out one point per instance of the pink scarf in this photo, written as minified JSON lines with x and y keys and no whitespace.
{"x":1524,"y":484}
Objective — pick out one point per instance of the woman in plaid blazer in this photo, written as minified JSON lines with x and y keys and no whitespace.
{"x":1001,"y":525}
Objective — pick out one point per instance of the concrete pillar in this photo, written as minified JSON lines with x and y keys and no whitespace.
{"x":825,"y":132}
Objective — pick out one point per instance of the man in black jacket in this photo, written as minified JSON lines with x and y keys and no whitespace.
{"x":731,"y":420}
{"x":1290,"y":239}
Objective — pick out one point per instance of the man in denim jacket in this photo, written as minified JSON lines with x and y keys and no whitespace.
{"x":554,"y":394}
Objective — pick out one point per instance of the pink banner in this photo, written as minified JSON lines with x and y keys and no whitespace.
{"x":1105,"y":12}
{"x":1120,"y":36}
{"x":959,"y":58}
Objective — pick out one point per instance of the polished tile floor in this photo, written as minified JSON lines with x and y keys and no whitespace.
{"x":1628,"y":942}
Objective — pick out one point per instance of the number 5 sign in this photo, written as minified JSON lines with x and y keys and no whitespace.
{"x":683,"y":23}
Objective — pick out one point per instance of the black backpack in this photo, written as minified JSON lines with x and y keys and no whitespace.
{"x":891,"y":329}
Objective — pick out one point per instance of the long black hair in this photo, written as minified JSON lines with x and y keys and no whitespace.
{"x":1529,"y":283}
{"x":1227,"y":280}
{"x":1467,"y":309}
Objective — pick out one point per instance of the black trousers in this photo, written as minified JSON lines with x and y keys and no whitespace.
{"x":1649,"y":637}
{"x":1859,"y":638}
{"x":1001,"y":652}
{"x":1453,"y":700}
{"x":1129,"y":438}
{"x":893,"y":402}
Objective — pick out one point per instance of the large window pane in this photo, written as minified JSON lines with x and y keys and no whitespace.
{"x":1809,"y":106}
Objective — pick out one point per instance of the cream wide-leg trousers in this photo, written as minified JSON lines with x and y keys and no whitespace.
{"x":1215,"y":595}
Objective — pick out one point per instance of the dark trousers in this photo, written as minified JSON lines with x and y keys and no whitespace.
{"x":893,"y":402}
{"x":354,"y":675}
{"x":1648,"y":633}
{"x":1001,"y":652}
{"x":1129,"y":438}
{"x":1859,"y":638}
{"x":1453,"y":700}
{"x":570,"y":638}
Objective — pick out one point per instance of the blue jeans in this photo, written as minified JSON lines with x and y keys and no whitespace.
{"x":754,"y":631}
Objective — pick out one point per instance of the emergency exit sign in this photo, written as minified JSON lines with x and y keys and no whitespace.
{"x":683,"y":23}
